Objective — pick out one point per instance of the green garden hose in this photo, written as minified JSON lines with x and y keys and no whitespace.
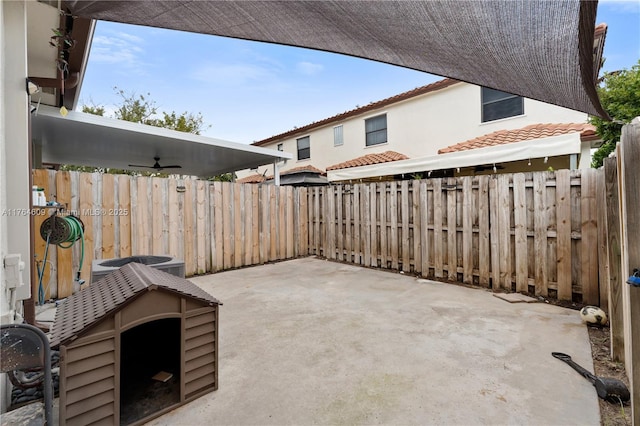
{"x":63,"y":231}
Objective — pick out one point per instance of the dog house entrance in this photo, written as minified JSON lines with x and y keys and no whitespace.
{"x":150,"y":369}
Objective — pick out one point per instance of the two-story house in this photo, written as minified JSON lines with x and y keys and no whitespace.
{"x":444,"y":116}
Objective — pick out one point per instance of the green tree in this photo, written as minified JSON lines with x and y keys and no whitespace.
{"x":142,"y":109}
{"x":619,"y":94}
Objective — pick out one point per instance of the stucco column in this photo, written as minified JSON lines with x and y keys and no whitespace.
{"x":15,"y":173}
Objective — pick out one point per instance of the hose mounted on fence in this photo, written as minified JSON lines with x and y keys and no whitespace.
{"x":62,"y":231}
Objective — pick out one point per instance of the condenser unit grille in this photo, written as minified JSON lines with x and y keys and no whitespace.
{"x":100,"y":268}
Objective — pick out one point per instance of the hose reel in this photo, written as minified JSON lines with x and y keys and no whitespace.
{"x":62,"y":231}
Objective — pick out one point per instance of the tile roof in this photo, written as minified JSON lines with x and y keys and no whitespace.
{"x":87,"y":307}
{"x":257,"y":178}
{"x":533,"y":131}
{"x":365,"y":160}
{"x":438,"y":85}
{"x":308,"y":168}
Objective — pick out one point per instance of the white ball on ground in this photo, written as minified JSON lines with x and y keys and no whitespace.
{"x":593,"y":315}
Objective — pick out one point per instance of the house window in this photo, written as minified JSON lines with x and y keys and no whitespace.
{"x":304,"y":149}
{"x":337,"y":136}
{"x":376,"y":130}
{"x":497,"y":105}
{"x":280,"y":147}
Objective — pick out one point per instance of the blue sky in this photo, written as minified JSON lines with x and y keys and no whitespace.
{"x":248,"y":91}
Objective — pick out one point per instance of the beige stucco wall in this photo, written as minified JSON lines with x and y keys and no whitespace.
{"x":419,"y":127}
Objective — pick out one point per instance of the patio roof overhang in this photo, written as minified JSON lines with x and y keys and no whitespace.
{"x":539,"y":49}
{"x":538,"y":148}
{"x":86,"y":139}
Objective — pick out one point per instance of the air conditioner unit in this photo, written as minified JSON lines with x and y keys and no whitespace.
{"x":101,"y":267}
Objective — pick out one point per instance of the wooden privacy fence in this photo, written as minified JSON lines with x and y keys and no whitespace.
{"x":212,"y":226}
{"x":530,"y":232}
{"x":526,"y":232}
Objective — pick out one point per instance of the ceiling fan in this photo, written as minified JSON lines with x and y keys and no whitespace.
{"x":157,"y":165}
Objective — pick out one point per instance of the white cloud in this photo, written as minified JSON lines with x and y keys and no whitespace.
{"x":120,"y":49}
{"x":309,"y":68}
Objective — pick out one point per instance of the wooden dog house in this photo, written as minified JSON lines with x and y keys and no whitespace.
{"x":134,"y":345}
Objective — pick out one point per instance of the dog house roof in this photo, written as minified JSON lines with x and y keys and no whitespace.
{"x":111,"y":293}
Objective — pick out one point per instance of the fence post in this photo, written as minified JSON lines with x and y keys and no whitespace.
{"x":629,"y":154}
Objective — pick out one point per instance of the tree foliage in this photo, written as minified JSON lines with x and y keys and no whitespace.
{"x":142,"y":109}
{"x":619,"y":94}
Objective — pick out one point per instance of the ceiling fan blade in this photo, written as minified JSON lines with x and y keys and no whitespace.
{"x":140,"y":165}
{"x":175,"y":166}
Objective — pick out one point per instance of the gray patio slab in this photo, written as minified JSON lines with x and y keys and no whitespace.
{"x":310,"y":341}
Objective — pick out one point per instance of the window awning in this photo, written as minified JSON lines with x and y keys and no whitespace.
{"x":540,"y":49}
{"x":91,"y":140}
{"x":538,"y":148}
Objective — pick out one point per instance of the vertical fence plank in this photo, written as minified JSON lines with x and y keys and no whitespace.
{"x":438,"y":250}
{"x":87,"y":210}
{"x":452,"y":256}
{"x":540,"y":233}
{"x":282,"y":222}
{"x":467,"y":230}
{"x":589,"y":240}
{"x":52,"y":290}
{"x":273,"y":231}
{"x":255,"y":224}
{"x":520,"y":223}
{"x":393,"y":215}
{"x":218,"y":227}
{"x":290,"y":222}
{"x":603,"y":250}
{"x":382,"y":201}
{"x":238,"y":212}
{"x":494,"y":233}
{"x":65,"y":257}
{"x":200,"y":255}
{"x":373,"y":218}
{"x":208,"y":231}
{"x":357,"y":255}
{"x":504,"y":231}
{"x":630,"y":234}
{"x":563,"y":228}
{"x":417,"y":226}
{"x":180,"y":218}
{"x":484,"y":252}
{"x":124,"y":204}
{"x":348,"y":224}
{"x":189,"y":227}
{"x":265,"y":225}
{"x":330,"y":221}
{"x":247,"y":225}
{"x":304,"y":221}
{"x":424,"y":223}
{"x":366,"y":224}
{"x":406,"y":243}
{"x":173,"y":217}
{"x":340,"y":223}
{"x":157,"y":228}
{"x":141,"y":217}
{"x":316,"y":220}
{"x":109,"y":216}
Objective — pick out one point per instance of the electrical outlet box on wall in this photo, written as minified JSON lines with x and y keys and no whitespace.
{"x":14,"y":276}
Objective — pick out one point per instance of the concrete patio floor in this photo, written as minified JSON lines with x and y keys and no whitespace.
{"x":310,"y":341}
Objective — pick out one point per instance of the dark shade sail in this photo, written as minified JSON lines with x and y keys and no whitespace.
{"x":539,"y":49}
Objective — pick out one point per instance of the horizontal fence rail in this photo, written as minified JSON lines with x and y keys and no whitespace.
{"x":526,"y":232}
